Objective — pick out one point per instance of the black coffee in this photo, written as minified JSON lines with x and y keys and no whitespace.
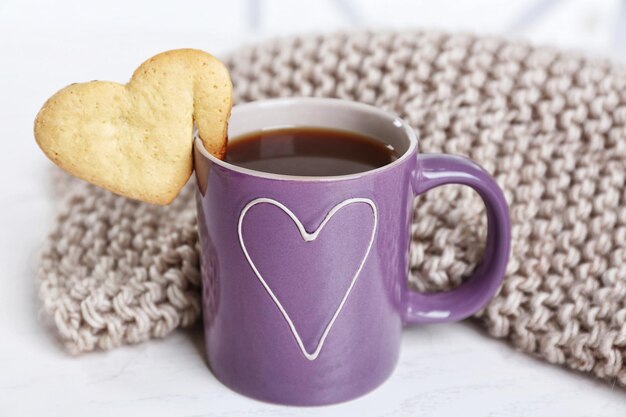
{"x":309,"y":152}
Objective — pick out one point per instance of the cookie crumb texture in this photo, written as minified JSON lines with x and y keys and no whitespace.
{"x":136,"y":140}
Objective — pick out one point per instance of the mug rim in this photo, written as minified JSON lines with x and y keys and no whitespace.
{"x":339,"y":104}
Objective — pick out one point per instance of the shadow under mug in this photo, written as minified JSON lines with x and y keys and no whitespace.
{"x":305,"y":278}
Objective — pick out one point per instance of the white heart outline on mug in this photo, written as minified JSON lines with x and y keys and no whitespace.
{"x":308,"y":237}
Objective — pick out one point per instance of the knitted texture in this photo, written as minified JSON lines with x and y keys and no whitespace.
{"x":551,"y":128}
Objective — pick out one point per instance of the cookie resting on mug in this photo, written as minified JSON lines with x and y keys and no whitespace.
{"x":136,"y":139}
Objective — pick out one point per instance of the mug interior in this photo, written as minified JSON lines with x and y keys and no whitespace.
{"x":319,"y":113}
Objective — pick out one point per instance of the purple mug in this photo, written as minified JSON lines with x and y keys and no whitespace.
{"x":305,"y":278}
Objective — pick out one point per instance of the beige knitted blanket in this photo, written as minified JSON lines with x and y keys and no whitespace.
{"x":551,"y":127}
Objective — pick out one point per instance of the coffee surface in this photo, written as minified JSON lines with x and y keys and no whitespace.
{"x":309,"y":152}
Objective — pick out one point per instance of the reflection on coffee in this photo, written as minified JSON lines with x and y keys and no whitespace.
{"x":309,"y":152}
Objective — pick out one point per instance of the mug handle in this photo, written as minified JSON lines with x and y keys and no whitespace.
{"x":438,"y":307}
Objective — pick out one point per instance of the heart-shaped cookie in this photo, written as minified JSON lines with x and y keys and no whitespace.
{"x":136,"y":139}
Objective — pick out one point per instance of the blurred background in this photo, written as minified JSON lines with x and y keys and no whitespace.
{"x":596,"y":26}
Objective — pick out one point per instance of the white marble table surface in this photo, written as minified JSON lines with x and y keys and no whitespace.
{"x":444,"y":370}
